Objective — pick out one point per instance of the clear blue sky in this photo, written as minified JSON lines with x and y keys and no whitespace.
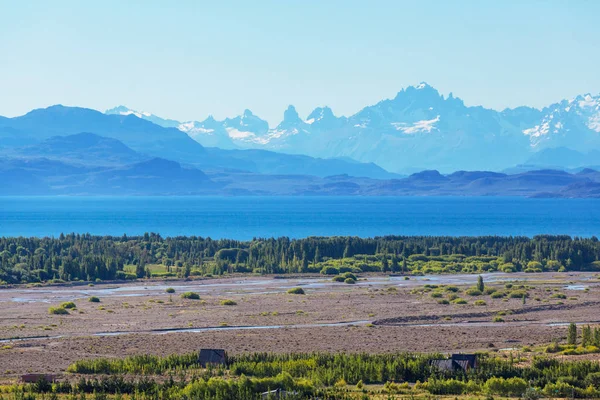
{"x":188,"y":59}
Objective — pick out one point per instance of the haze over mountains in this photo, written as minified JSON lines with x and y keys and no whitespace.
{"x":416,"y":130}
{"x":79,"y":151}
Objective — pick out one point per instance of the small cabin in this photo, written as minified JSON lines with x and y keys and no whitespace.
{"x":277,"y":394}
{"x":457,"y":362}
{"x":35,"y":378}
{"x":212,"y":357}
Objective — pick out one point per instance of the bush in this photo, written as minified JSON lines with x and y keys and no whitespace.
{"x":190,"y":296}
{"x":459,"y":301}
{"x":480,"y":303}
{"x":68,"y":305}
{"x":558,"y":296}
{"x":58,"y":311}
{"x":349,"y":275}
{"x":228,"y":303}
{"x":506,"y":387}
{"x":473,"y":292}
{"x":489,"y":290}
{"x":443,"y":301}
{"x":296,"y":290}
{"x":349,"y":281}
{"x":497,"y":295}
{"x":170,"y":290}
{"x":329,"y":270}
{"x":338,"y":278}
{"x":498,"y":318}
{"x":94,"y":299}
{"x":517,"y":294}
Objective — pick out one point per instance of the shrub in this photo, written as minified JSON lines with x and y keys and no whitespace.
{"x":480,"y":303}
{"x":338,"y":278}
{"x":558,"y":296}
{"x":349,"y":281}
{"x":190,"y":296}
{"x":329,"y":270}
{"x":58,"y":311}
{"x":489,"y":290}
{"x":498,"y":318}
{"x":506,"y":387}
{"x":170,"y":290}
{"x":68,"y":305}
{"x":436,"y":295}
{"x":459,"y":301}
{"x":228,"y":303}
{"x":473,"y":292}
{"x":296,"y":290}
{"x":443,"y":301}
{"x":497,"y":295}
{"x":517,"y":294}
{"x":94,"y":299}
{"x":350,"y":275}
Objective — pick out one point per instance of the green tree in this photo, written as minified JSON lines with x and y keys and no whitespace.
{"x":384,"y":263}
{"x":572,"y":334}
{"x":586,"y":336}
{"x":480,"y":284}
{"x":395,"y":266}
{"x":140,"y":269}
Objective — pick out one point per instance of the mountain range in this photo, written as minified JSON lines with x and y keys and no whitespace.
{"x":517,"y":152}
{"x":418,"y":129}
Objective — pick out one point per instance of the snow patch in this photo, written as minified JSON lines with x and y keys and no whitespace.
{"x":589,"y":101}
{"x":416,"y":127}
{"x":236,"y":134}
{"x":594,"y":123}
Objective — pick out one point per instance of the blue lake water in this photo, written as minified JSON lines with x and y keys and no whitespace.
{"x":247,"y":217}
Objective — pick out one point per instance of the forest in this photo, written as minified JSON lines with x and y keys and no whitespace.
{"x":84,"y":257}
{"x":318,"y":375}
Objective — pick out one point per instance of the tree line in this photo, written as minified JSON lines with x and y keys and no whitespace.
{"x":87,"y":257}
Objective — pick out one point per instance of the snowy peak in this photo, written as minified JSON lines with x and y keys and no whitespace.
{"x":571,"y":123}
{"x":122,"y":110}
{"x":320,"y":114}
{"x":247,"y":122}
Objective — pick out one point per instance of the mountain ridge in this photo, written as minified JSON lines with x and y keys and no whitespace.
{"x":419,"y":128}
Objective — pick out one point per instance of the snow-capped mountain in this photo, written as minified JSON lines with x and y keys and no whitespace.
{"x":122,"y":110}
{"x":417,"y":129}
{"x":574,"y":124}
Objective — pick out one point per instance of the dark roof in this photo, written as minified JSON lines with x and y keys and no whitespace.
{"x":457,"y":362}
{"x":34,"y":378}
{"x":470,"y":359}
{"x":212,"y":356}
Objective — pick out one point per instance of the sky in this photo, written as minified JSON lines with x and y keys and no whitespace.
{"x":189,"y":59}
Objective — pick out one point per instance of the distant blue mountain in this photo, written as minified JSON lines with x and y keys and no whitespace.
{"x":90,"y":137}
{"x":418,"y":129}
{"x":39,"y":176}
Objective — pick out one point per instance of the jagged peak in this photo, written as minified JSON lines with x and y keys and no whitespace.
{"x":320,"y":113}
{"x":290,"y":114}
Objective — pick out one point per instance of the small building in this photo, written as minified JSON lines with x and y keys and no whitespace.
{"x":212,"y":357}
{"x":35,"y":378}
{"x":277,"y":394}
{"x":468,"y":361}
{"x":457,"y":362}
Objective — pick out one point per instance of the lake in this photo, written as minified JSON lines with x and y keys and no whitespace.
{"x":247,"y":217}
